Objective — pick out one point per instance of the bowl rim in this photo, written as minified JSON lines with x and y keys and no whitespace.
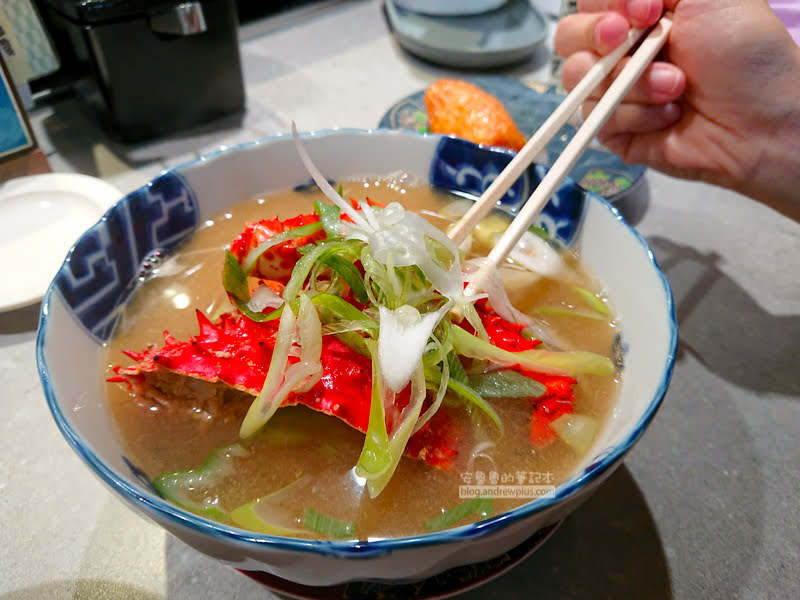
{"x":159,"y":508}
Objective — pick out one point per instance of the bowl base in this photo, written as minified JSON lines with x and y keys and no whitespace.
{"x":453,"y":581}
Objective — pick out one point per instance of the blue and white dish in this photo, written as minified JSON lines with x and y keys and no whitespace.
{"x":81,"y":305}
{"x":597,"y":170}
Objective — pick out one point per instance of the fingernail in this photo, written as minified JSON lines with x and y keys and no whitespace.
{"x":610,"y":31}
{"x":664,"y":79}
{"x":643,"y":12}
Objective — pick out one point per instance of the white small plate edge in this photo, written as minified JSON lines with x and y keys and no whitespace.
{"x":98,"y":191}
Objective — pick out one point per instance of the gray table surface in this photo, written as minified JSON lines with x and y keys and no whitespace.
{"x":706,"y":504}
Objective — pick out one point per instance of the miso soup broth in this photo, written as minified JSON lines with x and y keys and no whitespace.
{"x":308,"y":457}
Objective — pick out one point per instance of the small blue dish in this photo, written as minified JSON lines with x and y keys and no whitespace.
{"x":597,"y":170}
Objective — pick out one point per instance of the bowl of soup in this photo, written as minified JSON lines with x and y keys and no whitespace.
{"x":277,"y":353}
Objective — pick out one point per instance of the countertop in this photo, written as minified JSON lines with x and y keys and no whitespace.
{"x":705,"y":506}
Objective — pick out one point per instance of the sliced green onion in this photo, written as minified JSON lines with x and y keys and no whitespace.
{"x":576,"y":430}
{"x":328,"y":526}
{"x":349,"y":314}
{"x":234,"y":279}
{"x":309,"y":330}
{"x":246,"y":517}
{"x":217,"y":465}
{"x":251,"y":260}
{"x":255,"y":515}
{"x":572,"y":362}
{"x":337,"y":327}
{"x":403,"y":431}
{"x":466,"y":393}
{"x":457,"y":371}
{"x":482,"y":505}
{"x":378,"y":286}
{"x":415,"y":290}
{"x":376,"y":455}
{"x":270,"y":316}
{"x":392,"y":278}
{"x":438,"y":348}
{"x":332,"y":267}
{"x":267,"y":402}
{"x":329,"y":216}
{"x":281,"y":378}
{"x":303,"y":267}
{"x":569,"y":362}
{"x":592,"y":300}
{"x":560,"y":311}
{"x":474,"y":319}
{"x":350,"y":274}
{"x":507,"y":384}
{"x":540,"y":231}
{"x":354,"y":341}
{"x":441,"y":358}
{"x":343,"y":309}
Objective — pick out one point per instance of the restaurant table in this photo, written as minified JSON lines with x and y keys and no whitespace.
{"x":705,"y":505}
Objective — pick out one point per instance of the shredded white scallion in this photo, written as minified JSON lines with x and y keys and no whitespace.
{"x":283,"y":378}
{"x":323,"y":184}
{"x":403,"y":335}
{"x":537,"y":255}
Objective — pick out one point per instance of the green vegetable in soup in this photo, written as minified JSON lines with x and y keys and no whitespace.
{"x":262,"y":515}
{"x":314,"y":520}
{"x":507,"y":384}
{"x":218,"y":465}
{"x":483,"y":506}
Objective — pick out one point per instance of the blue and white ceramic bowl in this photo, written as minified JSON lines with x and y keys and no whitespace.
{"x":82,"y":303}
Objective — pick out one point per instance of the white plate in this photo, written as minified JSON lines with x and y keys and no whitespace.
{"x":41,"y":216}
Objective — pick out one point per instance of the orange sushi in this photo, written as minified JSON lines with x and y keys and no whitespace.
{"x":460,"y":108}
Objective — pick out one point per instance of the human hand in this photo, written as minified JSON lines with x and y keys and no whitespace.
{"x":721,"y":105}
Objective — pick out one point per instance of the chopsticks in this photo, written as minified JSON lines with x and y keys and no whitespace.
{"x":646,"y":52}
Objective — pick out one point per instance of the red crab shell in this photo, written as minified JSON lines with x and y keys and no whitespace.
{"x":236,"y":351}
{"x":277,"y":262}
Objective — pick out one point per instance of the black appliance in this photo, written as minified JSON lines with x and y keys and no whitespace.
{"x":153,"y":67}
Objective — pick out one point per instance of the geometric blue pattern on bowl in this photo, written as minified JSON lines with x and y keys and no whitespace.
{"x":454,"y":168}
{"x":103,"y":266}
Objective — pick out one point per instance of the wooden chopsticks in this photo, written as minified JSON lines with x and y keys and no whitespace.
{"x":646,"y":52}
